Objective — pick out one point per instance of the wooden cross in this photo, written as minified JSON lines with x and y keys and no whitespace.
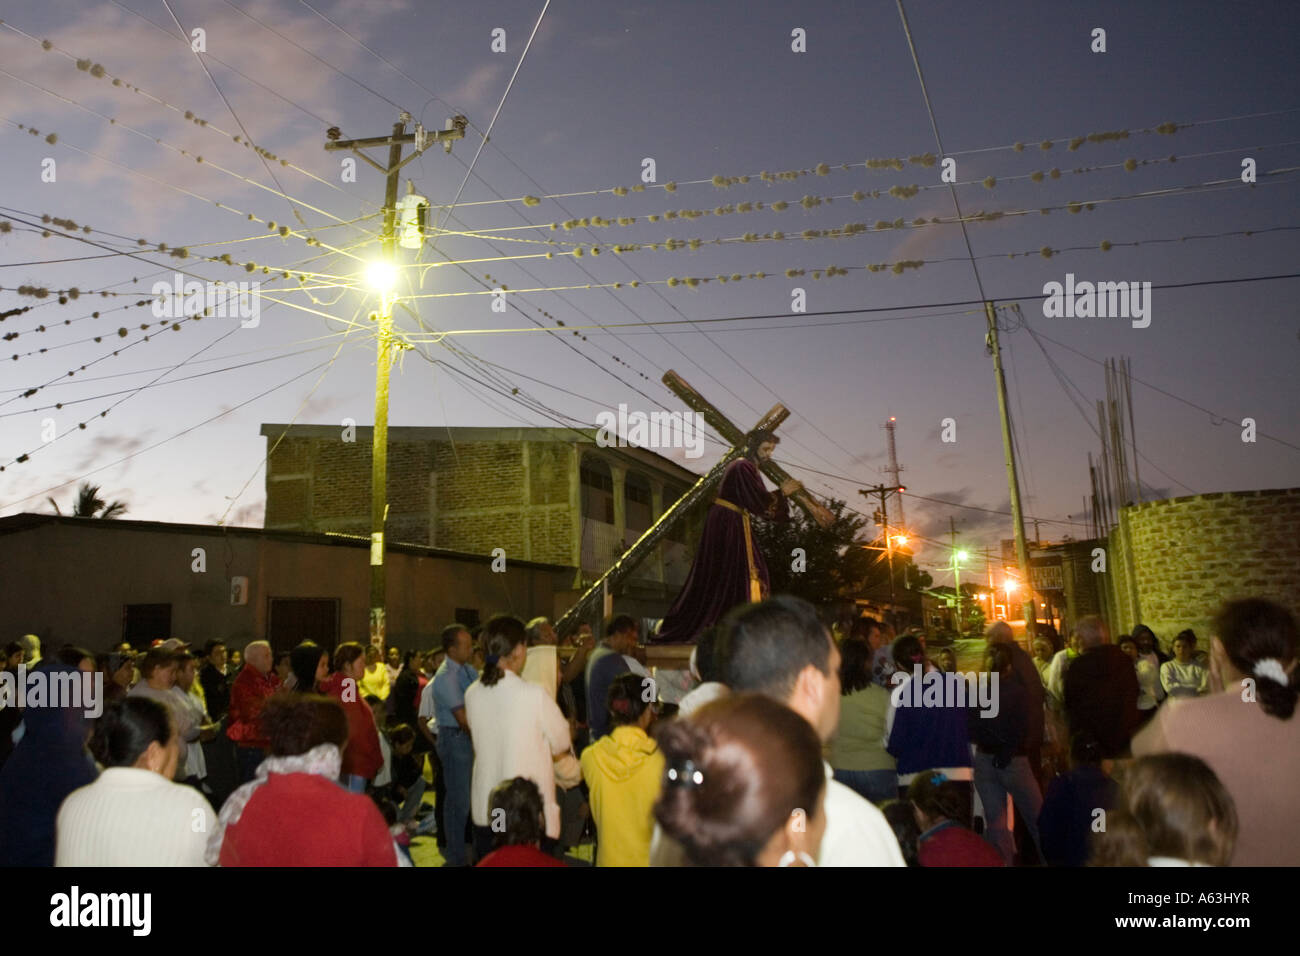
{"x":633,"y":556}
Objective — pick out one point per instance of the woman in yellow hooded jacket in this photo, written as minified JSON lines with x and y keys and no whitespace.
{"x":624,"y":771}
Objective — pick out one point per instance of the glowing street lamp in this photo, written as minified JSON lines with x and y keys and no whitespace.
{"x":381,"y":276}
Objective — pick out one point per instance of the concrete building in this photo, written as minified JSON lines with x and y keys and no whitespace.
{"x":550,"y":495}
{"x":96,"y":582}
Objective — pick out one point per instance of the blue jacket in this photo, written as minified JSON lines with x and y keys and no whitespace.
{"x":926,"y":738}
{"x":47,"y":764}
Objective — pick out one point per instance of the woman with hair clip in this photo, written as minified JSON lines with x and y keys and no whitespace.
{"x":744,"y":785}
{"x":1245,"y":728}
{"x":1172,"y":811}
{"x":133,"y":814}
{"x":623,"y":771}
{"x":518,"y":730}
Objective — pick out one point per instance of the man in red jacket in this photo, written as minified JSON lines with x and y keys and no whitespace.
{"x":362,"y":757}
{"x":249,"y":692}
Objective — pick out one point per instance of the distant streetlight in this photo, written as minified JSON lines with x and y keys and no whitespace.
{"x":961,"y":556}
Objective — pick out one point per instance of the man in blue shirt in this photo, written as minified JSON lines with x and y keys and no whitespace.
{"x":610,"y":661}
{"x":455,"y":749}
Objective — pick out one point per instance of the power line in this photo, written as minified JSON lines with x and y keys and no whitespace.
{"x":206,"y":421}
{"x":1168,"y":394}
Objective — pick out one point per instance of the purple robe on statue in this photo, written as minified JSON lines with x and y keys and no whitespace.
{"x":728,"y":567}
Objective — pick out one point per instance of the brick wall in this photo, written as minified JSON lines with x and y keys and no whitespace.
{"x":470,"y":496}
{"x":1188,"y":555}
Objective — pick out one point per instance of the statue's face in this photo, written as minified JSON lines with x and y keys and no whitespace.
{"x":765,"y":450}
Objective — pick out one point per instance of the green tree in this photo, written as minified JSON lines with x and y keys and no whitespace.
{"x":835,"y":563}
{"x":89,"y":504}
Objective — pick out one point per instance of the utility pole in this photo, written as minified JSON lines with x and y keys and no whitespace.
{"x":421,"y":139}
{"x":956,"y":570}
{"x":883,"y":491}
{"x":1017,"y":516}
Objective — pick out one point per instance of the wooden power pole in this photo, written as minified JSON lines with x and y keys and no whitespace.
{"x":384,"y":338}
{"x":1017,"y":515}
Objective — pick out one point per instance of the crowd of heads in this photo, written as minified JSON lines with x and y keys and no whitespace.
{"x":741,"y":781}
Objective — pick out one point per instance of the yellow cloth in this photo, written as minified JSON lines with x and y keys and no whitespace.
{"x":375,"y":681}
{"x":624,"y":771}
{"x":755,"y":582}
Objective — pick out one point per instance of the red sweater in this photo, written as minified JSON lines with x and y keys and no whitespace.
{"x":519,"y":855}
{"x":300,"y":819}
{"x":247,"y":695}
{"x":954,"y":845}
{"x":362,"y":755}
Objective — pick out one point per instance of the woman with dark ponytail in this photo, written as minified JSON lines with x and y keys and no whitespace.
{"x":517,"y":728}
{"x":133,"y":814}
{"x":1245,"y":729}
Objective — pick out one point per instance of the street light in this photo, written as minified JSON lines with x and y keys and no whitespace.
{"x":381,"y":276}
{"x":961,"y":556}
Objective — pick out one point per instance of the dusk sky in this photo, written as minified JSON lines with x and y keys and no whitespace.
{"x":705,"y":90}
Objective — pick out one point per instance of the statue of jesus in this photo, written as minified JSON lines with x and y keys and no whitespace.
{"x":729,"y":568}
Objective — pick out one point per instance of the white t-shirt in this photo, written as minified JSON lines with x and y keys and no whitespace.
{"x":705,"y":693}
{"x":857,"y":834}
{"x":517,"y":730}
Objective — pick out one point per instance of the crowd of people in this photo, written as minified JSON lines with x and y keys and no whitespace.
{"x":798,"y":745}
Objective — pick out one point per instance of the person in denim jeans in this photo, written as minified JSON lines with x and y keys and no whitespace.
{"x":858,"y":751}
{"x":455,"y":748}
{"x":1002,"y":765}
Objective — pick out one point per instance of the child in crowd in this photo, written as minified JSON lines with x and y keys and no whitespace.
{"x":1070,"y":808}
{"x":941,"y":808}
{"x":902,"y":818}
{"x":1173,"y":811}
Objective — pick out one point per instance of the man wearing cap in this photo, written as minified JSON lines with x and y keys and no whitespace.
{"x":248,"y":693}
{"x":119,"y":674}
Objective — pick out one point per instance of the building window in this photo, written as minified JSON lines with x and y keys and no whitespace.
{"x":640,"y":510}
{"x":597,"y":490}
{"x":142,"y":624}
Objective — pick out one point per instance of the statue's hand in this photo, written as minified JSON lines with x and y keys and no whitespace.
{"x":790,"y":486}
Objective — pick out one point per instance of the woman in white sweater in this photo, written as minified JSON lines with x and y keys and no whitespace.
{"x":517,"y":727}
{"x":133,"y":814}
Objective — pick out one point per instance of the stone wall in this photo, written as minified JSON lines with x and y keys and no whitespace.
{"x":1174,"y":562}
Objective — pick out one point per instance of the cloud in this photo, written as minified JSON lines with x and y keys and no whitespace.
{"x":249,"y":515}
{"x":480,"y":89}
{"x":868,"y":456}
{"x":110,"y":446}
